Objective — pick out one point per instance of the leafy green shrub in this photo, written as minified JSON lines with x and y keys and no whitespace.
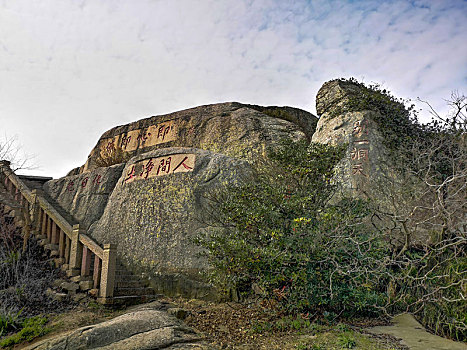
{"x":9,"y":321}
{"x":424,"y":193}
{"x":30,"y":328}
{"x":24,"y":276}
{"x":347,"y":341}
{"x":283,"y":235}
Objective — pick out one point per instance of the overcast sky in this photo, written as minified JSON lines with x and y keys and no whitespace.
{"x":72,"y":69}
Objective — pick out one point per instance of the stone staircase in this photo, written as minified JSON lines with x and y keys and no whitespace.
{"x":81,"y":259}
{"x":131,"y":289}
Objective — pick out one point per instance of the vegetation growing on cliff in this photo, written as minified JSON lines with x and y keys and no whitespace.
{"x":24,"y":277}
{"x":283,"y":239}
{"x":295,"y":248}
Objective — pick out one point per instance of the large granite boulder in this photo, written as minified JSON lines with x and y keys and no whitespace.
{"x":369,"y":169}
{"x":157,"y":208}
{"x":148,"y":326}
{"x":366,"y":159}
{"x":234,"y":129}
{"x":84,"y":196}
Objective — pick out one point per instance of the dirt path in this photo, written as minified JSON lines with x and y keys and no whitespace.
{"x":415,"y":336}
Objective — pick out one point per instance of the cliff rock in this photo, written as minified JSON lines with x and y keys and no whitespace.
{"x":84,"y":196}
{"x":234,"y":129}
{"x":157,"y":208}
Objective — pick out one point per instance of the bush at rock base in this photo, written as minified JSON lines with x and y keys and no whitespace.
{"x":282,"y":238}
{"x":24,"y":278}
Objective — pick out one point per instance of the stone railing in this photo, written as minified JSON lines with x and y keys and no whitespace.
{"x":75,"y":251}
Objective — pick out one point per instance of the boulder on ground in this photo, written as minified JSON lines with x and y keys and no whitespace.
{"x":156,"y":209}
{"x":84,"y":196}
{"x":234,"y":129}
{"x":147,"y":327}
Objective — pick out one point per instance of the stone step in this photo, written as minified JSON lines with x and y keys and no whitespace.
{"x":130,"y":284}
{"x":134,"y":291}
{"x":127,"y":278}
{"x":134,"y":299}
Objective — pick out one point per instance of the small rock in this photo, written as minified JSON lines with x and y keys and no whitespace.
{"x":75,"y":279}
{"x":86,"y":285}
{"x":79,"y":297}
{"x":58,"y":282}
{"x":59,"y":296}
{"x":94,"y":292}
{"x":179,"y":313}
{"x":70,"y":286}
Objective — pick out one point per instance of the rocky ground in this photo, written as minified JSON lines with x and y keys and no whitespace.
{"x":196,"y":324}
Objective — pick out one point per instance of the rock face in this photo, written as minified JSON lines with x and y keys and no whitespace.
{"x":85,"y":196}
{"x":234,"y":129}
{"x":157,"y":208}
{"x":367,"y":170}
{"x":154,"y":201}
{"x":365,"y":160}
{"x":146,"y":327}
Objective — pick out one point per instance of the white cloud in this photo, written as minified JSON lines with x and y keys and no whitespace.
{"x":69,"y":70}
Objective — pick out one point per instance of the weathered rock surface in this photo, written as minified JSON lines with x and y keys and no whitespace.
{"x":157,"y":208}
{"x":84,"y":196}
{"x":366,"y":157}
{"x":367,"y":170}
{"x":146,"y":327}
{"x":232,"y":128}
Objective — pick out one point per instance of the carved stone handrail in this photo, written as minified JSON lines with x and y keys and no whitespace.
{"x":75,"y":249}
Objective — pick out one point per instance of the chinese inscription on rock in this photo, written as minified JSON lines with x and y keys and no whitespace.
{"x":140,"y":138}
{"x":359,"y":156}
{"x":152,"y":167}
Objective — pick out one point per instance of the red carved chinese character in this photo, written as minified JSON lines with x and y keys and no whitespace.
{"x":96,"y":180}
{"x":143,"y":137}
{"x":163,"y":131}
{"x":359,"y":128}
{"x":358,"y":169}
{"x":70,"y":186}
{"x":359,"y":154}
{"x":160,"y":132}
{"x":164,"y":165}
{"x":84,"y":182}
{"x":147,"y":168}
{"x":182,"y":163}
{"x":110,"y":146}
{"x":361,"y":142}
{"x":125,"y":141}
{"x":131,"y":174}
{"x":363,"y":154}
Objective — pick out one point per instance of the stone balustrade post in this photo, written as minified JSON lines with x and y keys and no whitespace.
{"x":108,"y":273}
{"x":76,"y":251}
{"x":35,"y":222}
